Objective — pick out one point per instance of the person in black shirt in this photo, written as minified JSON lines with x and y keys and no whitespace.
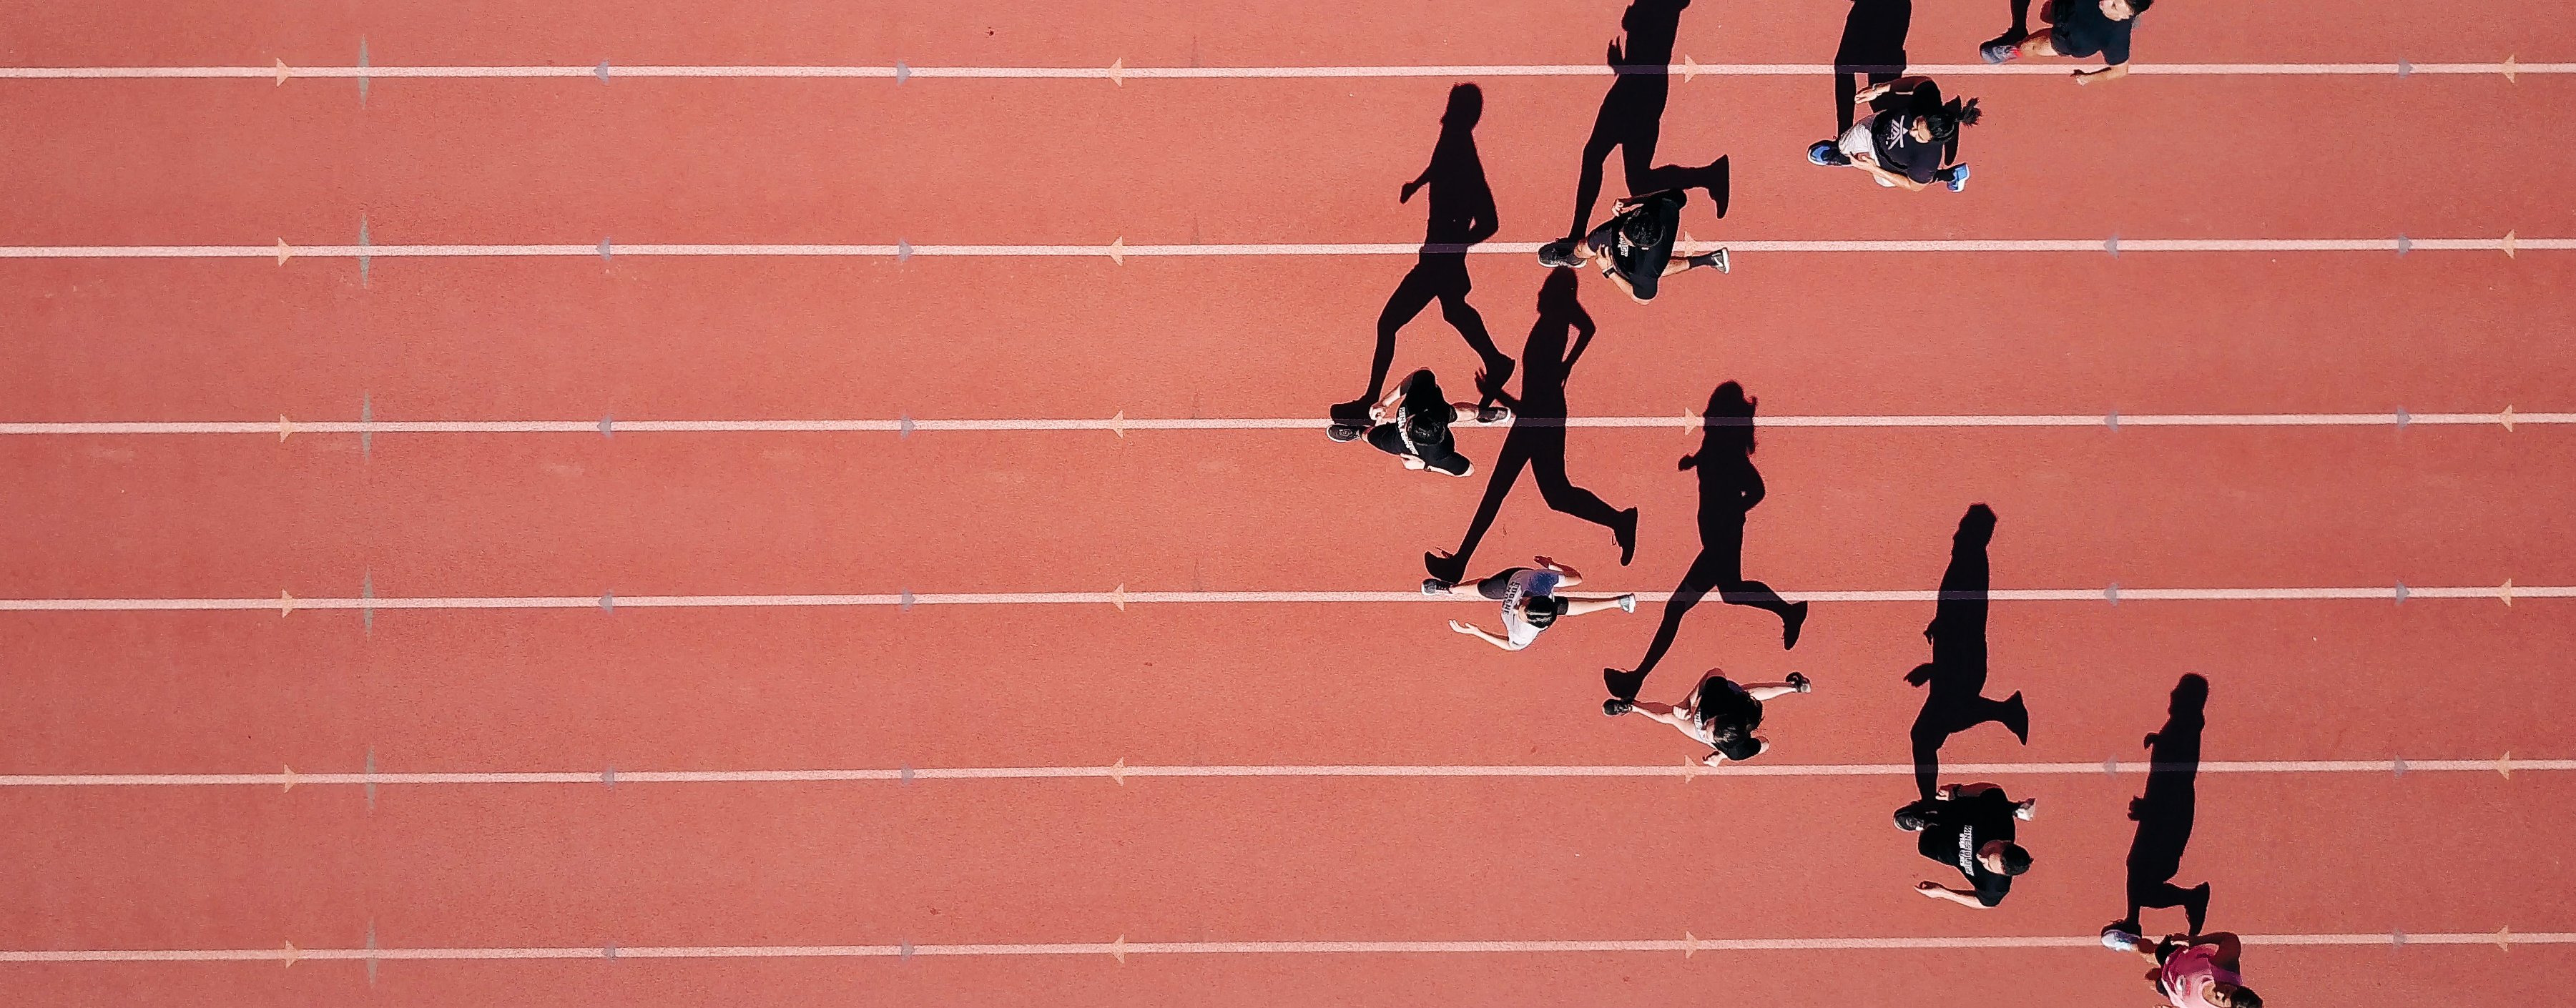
{"x":2077,"y":28}
{"x":1907,"y":140}
{"x":1413,"y":424}
{"x":1969,"y":828}
{"x":1719,"y":713}
{"x":1634,"y":248}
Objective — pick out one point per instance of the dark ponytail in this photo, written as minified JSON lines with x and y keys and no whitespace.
{"x":1946,"y":120}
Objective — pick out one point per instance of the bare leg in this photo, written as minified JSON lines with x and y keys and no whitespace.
{"x":1766,"y":691}
{"x":1577,"y":606}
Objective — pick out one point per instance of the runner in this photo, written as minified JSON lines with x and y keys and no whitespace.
{"x":1634,"y":248}
{"x":1412,"y":423}
{"x":2192,"y":971}
{"x":1719,"y":713}
{"x":1531,"y":602}
{"x":1970,"y":828}
{"x":2077,"y":28}
{"x":1907,"y":140}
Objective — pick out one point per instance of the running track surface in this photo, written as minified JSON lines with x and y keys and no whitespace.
{"x":925,"y":864}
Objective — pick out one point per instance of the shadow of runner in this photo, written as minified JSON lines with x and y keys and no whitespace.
{"x":1873,"y":46}
{"x":1957,"y":672}
{"x":1729,"y":487}
{"x":1632,"y":116}
{"x":1537,"y":437}
{"x":1461,"y":213}
{"x":2164,"y":812}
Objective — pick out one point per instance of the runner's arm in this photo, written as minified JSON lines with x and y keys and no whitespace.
{"x":1901,"y":85}
{"x":1479,"y":633}
{"x":1870,"y":164}
{"x":1938,"y":891}
{"x":2109,"y":73}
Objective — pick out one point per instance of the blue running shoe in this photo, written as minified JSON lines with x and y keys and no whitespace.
{"x":1826,"y":154}
{"x":1958,"y":177}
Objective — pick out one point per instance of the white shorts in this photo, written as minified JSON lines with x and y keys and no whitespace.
{"x":1856,"y":142}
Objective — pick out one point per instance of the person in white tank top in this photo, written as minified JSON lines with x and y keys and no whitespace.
{"x":1531,"y":602}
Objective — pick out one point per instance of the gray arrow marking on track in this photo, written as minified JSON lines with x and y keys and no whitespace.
{"x":2397,"y":767}
{"x":371,"y":794}
{"x":608,"y":951}
{"x":362,"y":99}
{"x":608,"y":425}
{"x":904,"y":952}
{"x":603,"y":250}
{"x":602,"y":71}
{"x":367,"y":591}
{"x":2404,"y":418}
{"x":2112,"y":420}
{"x":371,"y":944}
{"x":366,"y":407}
{"x":907,"y":773}
{"x":2405,"y":244}
{"x":608,"y":601}
{"x":2401,"y":593}
{"x":902,"y":73}
{"x":2111,"y":767}
{"x":903,"y":603}
{"x":2397,"y":938}
{"x":363,"y":258}
{"x":2112,"y":246}
{"x":2112,"y":593}
{"x":608,"y":777}
{"x":903,"y":427}
{"x":902,"y":250}
{"x":2404,"y":69}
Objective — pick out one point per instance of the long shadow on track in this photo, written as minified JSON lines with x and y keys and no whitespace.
{"x":2164,"y":812}
{"x":1632,"y":116}
{"x":1537,"y":438}
{"x":1729,"y":487}
{"x":1956,"y":675}
{"x":1873,"y":46}
{"x":1461,"y":209}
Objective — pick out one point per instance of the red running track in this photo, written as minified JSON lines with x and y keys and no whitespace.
{"x":1085,"y":860}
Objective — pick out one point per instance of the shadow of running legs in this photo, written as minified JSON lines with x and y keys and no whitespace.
{"x":1537,"y":438}
{"x":1729,"y":488}
{"x":2164,"y":812}
{"x":1461,"y":208}
{"x":1873,"y":46}
{"x":1957,"y":672}
{"x":1632,"y":116}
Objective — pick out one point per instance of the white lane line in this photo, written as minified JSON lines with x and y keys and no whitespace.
{"x":1679,"y":420}
{"x":1121,"y":598}
{"x":1119,"y":251}
{"x":1119,"y":773}
{"x":1119,"y":949}
{"x":1119,"y":73}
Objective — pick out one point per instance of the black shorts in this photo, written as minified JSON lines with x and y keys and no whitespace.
{"x":1499,"y":585}
{"x":2074,"y":42}
{"x":1442,"y":455}
{"x":1643,"y":267}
